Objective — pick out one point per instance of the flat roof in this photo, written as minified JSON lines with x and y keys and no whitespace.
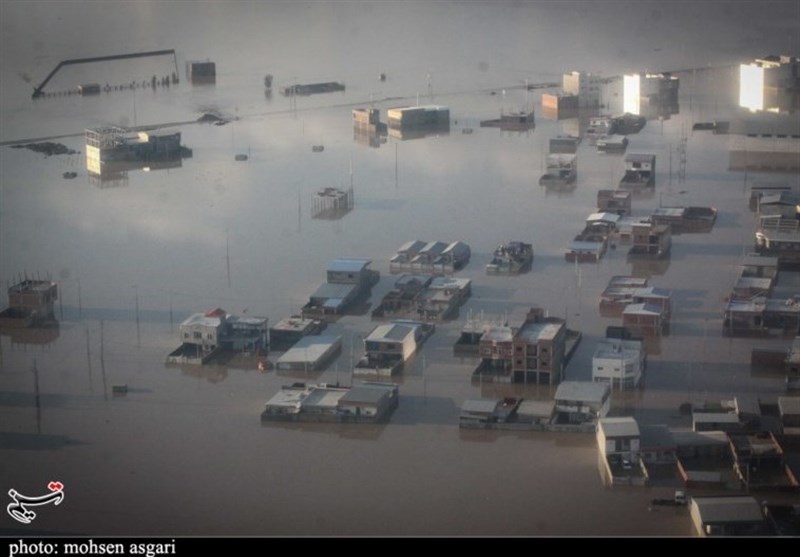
{"x":674,"y":212}
{"x":288,"y":398}
{"x":309,"y":349}
{"x":753,"y":282}
{"x":391,"y":331}
{"x":579,"y":246}
{"x":407,"y":278}
{"x":427,"y":107}
{"x":656,"y":437}
{"x":532,"y":332}
{"x":651,"y":292}
{"x":292,"y":324}
{"x":251,"y":321}
{"x":715,"y":417}
{"x":641,"y":309}
{"x":735,"y":508}
{"x":624,"y":280}
{"x":479,"y":406}
{"x":349,"y":265}
{"x":333,"y":290}
{"x":619,"y":427}
{"x":759,"y":261}
{"x":608,"y":348}
{"x":368,"y":393}
{"x":536,"y":408}
{"x":323,"y":397}
{"x":201,"y":319}
{"x":789,"y":405}
{"x":498,"y":333}
{"x":640,"y":157}
{"x":582,"y":390}
{"x":699,"y":438}
{"x":440,"y":283}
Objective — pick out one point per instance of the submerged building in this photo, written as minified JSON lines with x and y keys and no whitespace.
{"x":204,"y":335}
{"x":30,"y":303}
{"x":364,"y":403}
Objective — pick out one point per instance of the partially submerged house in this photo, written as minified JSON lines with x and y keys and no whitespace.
{"x":288,"y":331}
{"x":685,"y":219}
{"x":651,"y":240}
{"x":619,"y":362}
{"x":640,"y":171}
{"x":364,"y":403}
{"x":730,"y":515}
{"x":511,"y":257}
{"x":614,"y":201}
{"x":30,"y":303}
{"x":425,"y":297}
{"x":644,"y":319}
{"x":310,"y":353}
{"x":612,"y":143}
{"x":533,"y":351}
{"x":582,"y":401}
{"x":204,"y":335}
{"x":778,"y":237}
{"x":560,"y":170}
{"x":430,"y":257}
{"x":348,"y":279}
{"x":390,"y":345}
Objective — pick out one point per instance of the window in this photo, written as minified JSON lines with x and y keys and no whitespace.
{"x":197,"y":335}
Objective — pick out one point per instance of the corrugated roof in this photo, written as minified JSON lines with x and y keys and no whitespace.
{"x":333,"y":290}
{"x":412,"y":246}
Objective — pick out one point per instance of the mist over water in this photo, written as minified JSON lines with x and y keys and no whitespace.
{"x":184,"y":452}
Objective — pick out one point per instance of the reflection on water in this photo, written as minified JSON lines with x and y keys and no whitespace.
{"x":160,"y":245}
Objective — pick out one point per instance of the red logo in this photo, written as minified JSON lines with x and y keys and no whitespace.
{"x":55,"y":486}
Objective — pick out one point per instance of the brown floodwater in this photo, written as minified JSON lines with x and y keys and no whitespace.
{"x":184,"y":452}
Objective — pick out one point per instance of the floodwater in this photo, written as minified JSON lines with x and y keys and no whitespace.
{"x":184,"y":451}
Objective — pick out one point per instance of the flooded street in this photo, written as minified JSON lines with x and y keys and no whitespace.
{"x":184,"y":452}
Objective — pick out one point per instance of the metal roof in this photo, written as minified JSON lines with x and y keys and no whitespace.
{"x":582,"y":390}
{"x":309,"y":349}
{"x":349,"y":265}
{"x":479,"y":406}
{"x":623,"y":280}
{"x":675,"y":212}
{"x":612,"y":218}
{"x":619,"y":427}
{"x":201,"y":319}
{"x":412,"y":246}
{"x":651,"y":292}
{"x":716,"y":510}
{"x":440,"y":283}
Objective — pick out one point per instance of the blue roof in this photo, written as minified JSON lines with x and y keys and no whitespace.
{"x":349,"y":265}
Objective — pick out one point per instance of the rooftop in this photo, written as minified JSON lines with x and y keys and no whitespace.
{"x":440,"y":283}
{"x":368,"y":393}
{"x":640,"y":157}
{"x":623,"y":280}
{"x":641,"y":309}
{"x":759,"y":261}
{"x":612,"y":218}
{"x":391,"y":331}
{"x":333,"y":290}
{"x":498,"y":333}
{"x":582,"y":390}
{"x":655,"y":437}
{"x":412,"y":246}
{"x":616,"y":348}
{"x":349,"y":265}
{"x":699,"y":438}
{"x":536,"y":408}
{"x":323,"y":397}
{"x":532,"y":332}
{"x":715,"y":417}
{"x":201,"y":319}
{"x":789,"y":405}
{"x":479,"y":406}
{"x":309,"y":349}
{"x":651,"y":292}
{"x":619,"y":427}
{"x":734,"y":508}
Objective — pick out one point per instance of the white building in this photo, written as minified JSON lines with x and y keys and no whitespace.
{"x":585,"y":86}
{"x":619,"y":362}
{"x":619,"y":436}
{"x":582,"y":401}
